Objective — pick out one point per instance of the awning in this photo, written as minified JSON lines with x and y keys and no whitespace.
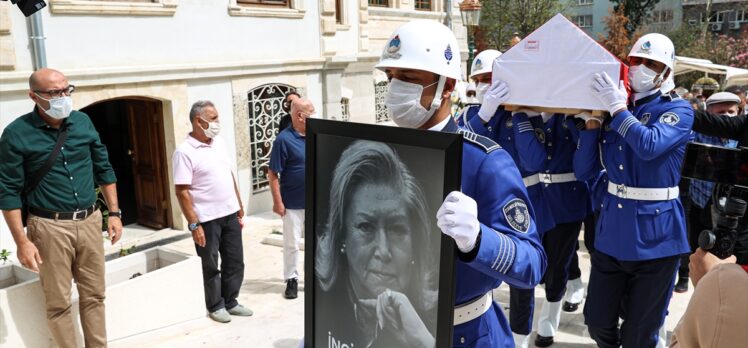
{"x":686,"y":64}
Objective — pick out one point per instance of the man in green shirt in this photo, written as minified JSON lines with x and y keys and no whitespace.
{"x":63,"y":239}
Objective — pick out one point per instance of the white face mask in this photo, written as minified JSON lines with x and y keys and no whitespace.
{"x":59,"y":108}
{"x":403,"y":100}
{"x":643,"y":79}
{"x":213,"y":128}
{"x":480,"y":91}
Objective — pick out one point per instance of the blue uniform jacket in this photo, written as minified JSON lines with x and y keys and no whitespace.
{"x":549,"y":148}
{"x":598,"y":191}
{"x":643,"y":149}
{"x":500,"y":129}
{"x":508,"y":249}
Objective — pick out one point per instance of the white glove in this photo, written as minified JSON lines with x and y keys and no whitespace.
{"x":528,"y":112}
{"x":613,"y":96}
{"x":458,"y":218}
{"x":497,"y":94}
{"x":586,"y":116}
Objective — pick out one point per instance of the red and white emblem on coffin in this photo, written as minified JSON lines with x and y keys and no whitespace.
{"x":553,"y":67}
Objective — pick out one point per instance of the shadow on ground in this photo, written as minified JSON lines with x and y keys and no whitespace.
{"x":286,"y":343}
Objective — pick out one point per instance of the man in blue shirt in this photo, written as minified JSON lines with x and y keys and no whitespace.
{"x":699,"y":214}
{"x":287,"y":163}
{"x":641,"y":232}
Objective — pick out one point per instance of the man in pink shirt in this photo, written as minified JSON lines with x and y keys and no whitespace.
{"x":209,"y":198}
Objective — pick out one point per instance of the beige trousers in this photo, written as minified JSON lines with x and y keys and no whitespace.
{"x":72,"y":250}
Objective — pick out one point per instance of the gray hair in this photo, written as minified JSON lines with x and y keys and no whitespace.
{"x":198,"y":107}
{"x":368,"y":162}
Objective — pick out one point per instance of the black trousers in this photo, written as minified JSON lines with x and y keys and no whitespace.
{"x":559,"y":244}
{"x":637,"y":291}
{"x":589,"y":242}
{"x":698,"y":219}
{"x":521,"y":309}
{"x":223,"y":236}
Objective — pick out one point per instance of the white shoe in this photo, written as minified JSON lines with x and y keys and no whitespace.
{"x":521,"y":341}
{"x":550,"y":315}
{"x":574,"y":291}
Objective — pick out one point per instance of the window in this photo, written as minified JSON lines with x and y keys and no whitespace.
{"x":379,"y":3}
{"x":380,"y":91}
{"x":265,"y":113}
{"x":278,"y":3}
{"x":740,"y":16}
{"x":583,"y":21}
{"x":663,"y":16}
{"x":714,"y":17}
{"x":345,"y":111}
{"x":339,"y":11}
{"x":586,"y":2}
{"x":115,"y":7}
{"x":423,"y":5}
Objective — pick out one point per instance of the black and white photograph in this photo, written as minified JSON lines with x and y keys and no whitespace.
{"x":378,"y":251}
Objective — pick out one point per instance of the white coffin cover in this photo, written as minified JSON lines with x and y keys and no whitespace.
{"x":553,"y":67}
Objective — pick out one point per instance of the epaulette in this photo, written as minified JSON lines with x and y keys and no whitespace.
{"x":671,"y":96}
{"x":485,"y":143}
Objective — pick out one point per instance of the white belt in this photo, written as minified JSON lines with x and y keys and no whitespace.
{"x":474,"y":309}
{"x":643,"y":194}
{"x":548,"y":178}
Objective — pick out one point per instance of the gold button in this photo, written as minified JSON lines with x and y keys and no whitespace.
{"x":620,"y":206}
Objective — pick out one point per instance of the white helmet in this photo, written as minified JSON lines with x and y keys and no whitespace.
{"x":656,"y":47}
{"x":483,"y":62}
{"x":423,"y":45}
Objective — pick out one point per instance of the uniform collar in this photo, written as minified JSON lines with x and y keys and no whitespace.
{"x":38,"y":122}
{"x":646,"y":97}
{"x":446,"y":125}
{"x":197,"y":143}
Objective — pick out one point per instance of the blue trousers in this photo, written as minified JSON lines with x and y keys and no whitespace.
{"x":637,"y":291}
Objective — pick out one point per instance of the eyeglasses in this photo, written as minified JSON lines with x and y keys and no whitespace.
{"x":57,"y":93}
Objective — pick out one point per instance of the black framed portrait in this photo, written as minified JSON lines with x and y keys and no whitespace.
{"x":379,"y":272}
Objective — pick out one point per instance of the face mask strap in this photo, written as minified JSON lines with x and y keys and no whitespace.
{"x":439,"y":89}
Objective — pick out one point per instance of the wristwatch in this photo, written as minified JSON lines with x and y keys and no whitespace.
{"x":193,"y":226}
{"x":117,"y":213}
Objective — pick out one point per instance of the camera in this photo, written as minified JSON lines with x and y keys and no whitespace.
{"x":720,"y":241}
{"x":29,"y":7}
{"x":728,"y":169}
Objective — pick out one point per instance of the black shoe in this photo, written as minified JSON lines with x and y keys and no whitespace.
{"x":542,"y":341}
{"x":570,"y":307}
{"x":292,"y":288}
{"x":681,"y":286}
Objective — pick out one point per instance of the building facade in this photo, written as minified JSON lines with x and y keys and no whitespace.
{"x":139,"y":65}
{"x":725,"y":17}
{"x":590,"y":15}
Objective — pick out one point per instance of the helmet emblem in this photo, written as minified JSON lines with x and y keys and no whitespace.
{"x":478,"y":65}
{"x":392,"y":49}
{"x":646,"y":46}
{"x":448,"y":54}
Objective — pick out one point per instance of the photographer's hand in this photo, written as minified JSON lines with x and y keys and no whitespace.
{"x":701,"y":262}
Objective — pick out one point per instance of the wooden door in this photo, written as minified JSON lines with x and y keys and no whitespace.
{"x":148,"y":165}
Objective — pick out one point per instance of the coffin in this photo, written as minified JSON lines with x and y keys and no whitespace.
{"x":553,"y":67}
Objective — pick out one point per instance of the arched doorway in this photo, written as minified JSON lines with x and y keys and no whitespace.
{"x":132,"y":129}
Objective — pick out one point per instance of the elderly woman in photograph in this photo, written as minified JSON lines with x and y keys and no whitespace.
{"x":376,"y":256}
